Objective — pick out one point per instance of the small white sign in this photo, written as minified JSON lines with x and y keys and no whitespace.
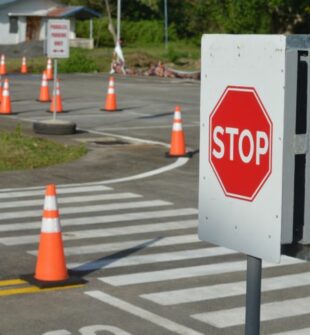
{"x":58,"y":34}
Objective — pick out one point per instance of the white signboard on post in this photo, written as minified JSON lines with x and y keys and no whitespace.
{"x":246,"y":179}
{"x":58,"y":35}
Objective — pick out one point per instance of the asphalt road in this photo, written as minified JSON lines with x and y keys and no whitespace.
{"x":129,"y":219}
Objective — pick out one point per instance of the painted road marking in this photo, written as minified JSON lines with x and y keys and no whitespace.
{"x":111,"y":262}
{"x":95,"y":233}
{"x":12,"y":282}
{"x":150,"y":243}
{"x":91,"y":330}
{"x":187,"y":272}
{"x":142,"y":313}
{"x":6,"y":287}
{"x":304,"y":331}
{"x":102,"y":219}
{"x":83,"y":209}
{"x":29,"y":192}
{"x":70,"y":200}
{"x":271,"y":311}
{"x":205,"y":293}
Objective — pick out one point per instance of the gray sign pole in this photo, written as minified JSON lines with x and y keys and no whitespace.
{"x":253,"y":295}
{"x":54,"y":90}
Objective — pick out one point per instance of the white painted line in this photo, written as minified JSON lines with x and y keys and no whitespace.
{"x":205,"y":293}
{"x":93,"y":329}
{"x":304,"y":331}
{"x":108,"y":247}
{"x":147,"y":127}
{"x":58,"y":332}
{"x":271,"y":311}
{"x":95,"y":233}
{"x":186,"y":272}
{"x":103,"y":219}
{"x":84,"y":209}
{"x":151,"y":259}
{"x":142,"y":313}
{"x":34,"y":191}
{"x":178,"y":163}
{"x":70,"y":200}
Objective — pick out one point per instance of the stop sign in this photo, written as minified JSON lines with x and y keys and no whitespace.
{"x":240,"y":145}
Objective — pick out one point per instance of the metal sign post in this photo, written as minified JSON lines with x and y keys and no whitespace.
{"x":54,"y":88}
{"x":253,"y":295}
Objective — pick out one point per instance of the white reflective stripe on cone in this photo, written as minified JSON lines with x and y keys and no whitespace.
{"x":177,"y":115}
{"x":111,"y":90}
{"x":50,"y":203}
{"x":50,"y":225}
{"x":5,"y":93}
{"x":177,"y":126}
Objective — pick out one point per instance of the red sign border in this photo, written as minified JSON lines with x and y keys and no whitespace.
{"x":251,"y":89}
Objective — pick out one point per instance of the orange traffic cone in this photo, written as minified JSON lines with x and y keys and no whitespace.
{"x":49,"y":70}
{"x":177,"y":147}
{"x":5,"y":107}
{"x":2,"y":65}
{"x":51,"y":263}
{"x":44,"y":91}
{"x":56,"y":100}
{"x":0,"y":89}
{"x":24,"y":68}
{"x":110,"y":102}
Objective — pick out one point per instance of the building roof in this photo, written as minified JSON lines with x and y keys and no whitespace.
{"x":80,"y":12}
{"x":6,"y":2}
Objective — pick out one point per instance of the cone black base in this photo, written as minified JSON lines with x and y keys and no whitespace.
{"x":49,"y":111}
{"x":43,"y":101}
{"x":188,"y":154}
{"x":109,"y":110}
{"x":71,"y":281}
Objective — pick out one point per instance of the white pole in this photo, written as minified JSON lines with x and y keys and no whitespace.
{"x":166,"y":24}
{"x":91,"y":29}
{"x":118,"y":38}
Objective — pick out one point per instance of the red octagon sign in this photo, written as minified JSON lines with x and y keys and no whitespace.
{"x":240,"y":142}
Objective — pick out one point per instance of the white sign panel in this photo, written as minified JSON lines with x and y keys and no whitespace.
{"x":58,"y":34}
{"x":246,"y":178}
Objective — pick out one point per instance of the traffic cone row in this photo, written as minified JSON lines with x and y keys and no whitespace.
{"x":51,"y":263}
{"x":44,"y":90}
{"x":5,"y":107}
{"x":56,"y":104}
{"x":24,"y":68}
{"x":49,"y":70}
{"x":110,"y":102}
{"x":3,"y":71}
{"x":177,"y":146}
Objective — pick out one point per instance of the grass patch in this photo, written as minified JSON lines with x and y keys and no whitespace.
{"x":19,"y":152}
{"x":183,"y":55}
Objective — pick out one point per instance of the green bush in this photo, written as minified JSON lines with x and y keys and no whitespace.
{"x":132,"y":32}
{"x":77,"y":62}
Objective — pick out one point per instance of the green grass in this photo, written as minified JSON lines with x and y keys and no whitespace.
{"x":19,"y":152}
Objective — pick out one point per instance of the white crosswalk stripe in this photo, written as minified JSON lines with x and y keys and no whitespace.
{"x":226,"y":290}
{"x":95,"y":233}
{"x":99,"y":237}
{"x":190,"y":272}
{"x":108,"y":247}
{"x":103,"y":219}
{"x":150,"y":259}
{"x":83,"y":209}
{"x":271,"y":311}
{"x":70,"y":200}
